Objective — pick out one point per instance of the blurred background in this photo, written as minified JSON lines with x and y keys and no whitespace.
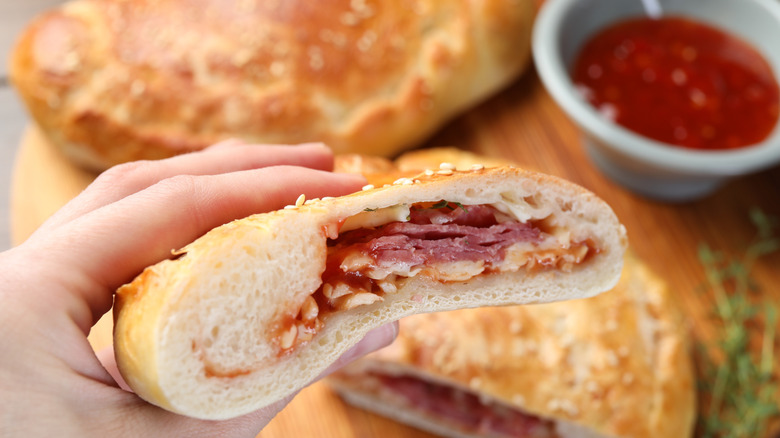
{"x":14,"y":15}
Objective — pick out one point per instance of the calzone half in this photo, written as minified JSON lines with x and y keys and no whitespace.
{"x":258,"y":308}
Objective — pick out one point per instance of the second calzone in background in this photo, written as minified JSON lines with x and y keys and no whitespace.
{"x":616,"y":365}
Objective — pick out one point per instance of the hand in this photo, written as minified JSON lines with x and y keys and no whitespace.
{"x":59,"y":282}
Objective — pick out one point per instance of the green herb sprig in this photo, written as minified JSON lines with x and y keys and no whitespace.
{"x":739,"y":384}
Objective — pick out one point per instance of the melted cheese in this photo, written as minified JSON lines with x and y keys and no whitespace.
{"x":375,"y":218}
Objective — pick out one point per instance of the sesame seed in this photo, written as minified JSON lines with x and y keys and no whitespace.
{"x":569,"y":407}
{"x":349,"y":19}
{"x":477,"y":167}
{"x":403,"y":181}
{"x":366,"y":41}
{"x":316,"y":61}
{"x":447,"y":166}
{"x":301,"y":199}
{"x":417,"y":181}
{"x":276,"y":68}
{"x":328,"y":198}
{"x":428,"y":172}
{"x":444,"y":172}
{"x":612,"y":358}
{"x":386,"y":185}
{"x":290,"y":207}
{"x":357,"y":5}
{"x":368,"y":187}
{"x":137,"y":88}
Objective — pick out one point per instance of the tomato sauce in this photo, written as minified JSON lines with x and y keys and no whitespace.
{"x":680,"y":82}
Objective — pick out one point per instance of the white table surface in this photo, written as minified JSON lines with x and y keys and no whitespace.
{"x":14,"y":15}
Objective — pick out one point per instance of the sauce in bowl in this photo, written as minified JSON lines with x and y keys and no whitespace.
{"x":680,"y":82}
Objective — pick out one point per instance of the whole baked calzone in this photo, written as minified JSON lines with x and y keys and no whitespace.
{"x":110,"y":81}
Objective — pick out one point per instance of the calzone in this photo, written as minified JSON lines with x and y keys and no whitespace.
{"x":257,"y":308}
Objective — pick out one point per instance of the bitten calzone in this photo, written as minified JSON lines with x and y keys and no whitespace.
{"x":257,"y":308}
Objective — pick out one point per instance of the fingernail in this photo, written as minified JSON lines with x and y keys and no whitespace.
{"x":227,"y":143}
{"x":314,"y":144}
{"x":375,"y":339}
{"x":356,"y":177}
{"x":378,"y":338}
{"x":386,"y":334}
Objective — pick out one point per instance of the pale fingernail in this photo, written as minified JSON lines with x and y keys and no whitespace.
{"x":375,"y":339}
{"x":314,"y":144}
{"x":227,"y":143}
{"x":353,"y":176}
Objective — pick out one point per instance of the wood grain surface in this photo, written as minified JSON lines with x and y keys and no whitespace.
{"x":523,"y":124}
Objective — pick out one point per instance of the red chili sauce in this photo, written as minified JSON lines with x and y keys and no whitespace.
{"x":680,"y":82}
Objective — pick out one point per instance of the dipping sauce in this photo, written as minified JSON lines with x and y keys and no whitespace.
{"x":680,"y":82}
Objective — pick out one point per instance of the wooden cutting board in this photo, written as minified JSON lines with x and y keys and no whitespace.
{"x":523,"y":124}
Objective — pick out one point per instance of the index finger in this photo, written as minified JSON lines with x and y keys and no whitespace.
{"x":126,"y":179}
{"x":114,"y":243}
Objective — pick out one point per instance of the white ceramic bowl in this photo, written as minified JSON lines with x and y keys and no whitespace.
{"x":643,"y":165}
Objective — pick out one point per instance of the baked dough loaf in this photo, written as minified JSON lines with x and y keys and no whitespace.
{"x":259,"y":307}
{"x":617,"y":365}
{"x":110,"y":81}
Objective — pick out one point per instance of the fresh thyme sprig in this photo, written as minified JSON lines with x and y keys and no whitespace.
{"x":739,"y":384}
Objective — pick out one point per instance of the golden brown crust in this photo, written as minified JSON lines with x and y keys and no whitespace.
{"x":431,"y":158}
{"x":115,"y":80}
{"x":618,"y":363}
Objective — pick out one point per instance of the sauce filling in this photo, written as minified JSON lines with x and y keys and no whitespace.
{"x":443,"y":241}
{"x":680,"y":82}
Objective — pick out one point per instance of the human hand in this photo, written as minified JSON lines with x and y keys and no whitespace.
{"x":58,"y":283}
